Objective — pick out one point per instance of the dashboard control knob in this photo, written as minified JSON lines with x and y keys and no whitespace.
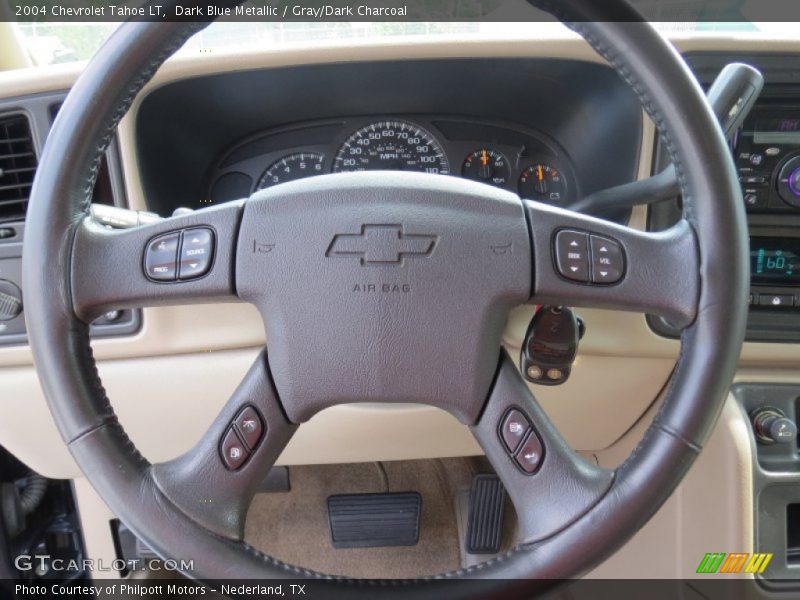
{"x":10,"y":300}
{"x":772,"y":426}
{"x":789,"y":182}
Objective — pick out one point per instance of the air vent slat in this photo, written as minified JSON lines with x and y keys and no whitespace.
{"x":15,"y":186}
{"x":17,"y":166}
{"x":10,"y":171}
{"x":19,"y":155}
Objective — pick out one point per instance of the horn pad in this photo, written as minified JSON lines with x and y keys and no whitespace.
{"x":383,"y":287}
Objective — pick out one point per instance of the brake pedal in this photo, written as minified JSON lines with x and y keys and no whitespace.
{"x":374,"y":520}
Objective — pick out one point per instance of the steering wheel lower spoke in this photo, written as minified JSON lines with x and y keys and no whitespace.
{"x":180,"y":260}
{"x":549,"y":483}
{"x":584,"y":261}
{"x":215,"y":481}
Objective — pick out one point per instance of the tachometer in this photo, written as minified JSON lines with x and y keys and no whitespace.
{"x":393,"y":146}
{"x":291,"y":167}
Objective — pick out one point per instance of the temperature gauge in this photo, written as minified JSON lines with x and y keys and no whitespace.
{"x":487,"y":166}
{"x":542,"y":182}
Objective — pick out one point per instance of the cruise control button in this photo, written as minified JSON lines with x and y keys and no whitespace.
{"x":233,"y":451}
{"x":249,"y":426}
{"x":515,"y":427}
{"x":608,"y":260}
{"x":572,"y":255}
{"x":161,"y":257}
{"x":529,"y":457}
{"x":197,"y":252}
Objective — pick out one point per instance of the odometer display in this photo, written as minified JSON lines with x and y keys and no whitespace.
{"x":391,"y":146}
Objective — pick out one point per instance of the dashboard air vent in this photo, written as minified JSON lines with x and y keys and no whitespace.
{"x":17,"y":166}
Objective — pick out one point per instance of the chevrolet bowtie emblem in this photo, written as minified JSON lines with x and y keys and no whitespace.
{"x":381,"y":244}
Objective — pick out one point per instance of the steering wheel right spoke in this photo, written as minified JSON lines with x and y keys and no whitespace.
{"x":549,"y":483}
{"x":180,"y":260}
{"x":215,"y":481}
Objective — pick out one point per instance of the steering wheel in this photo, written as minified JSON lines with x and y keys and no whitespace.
{"x":387,"y":287}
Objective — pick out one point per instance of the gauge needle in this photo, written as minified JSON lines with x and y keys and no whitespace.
{"x":539,"y":173}
{"x":484,"y":158}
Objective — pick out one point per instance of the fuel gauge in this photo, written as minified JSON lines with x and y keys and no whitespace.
{"x":542,"y":182}
{"x":487,"y":166}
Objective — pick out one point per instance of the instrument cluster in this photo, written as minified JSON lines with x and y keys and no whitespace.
{"x":523,"y":161}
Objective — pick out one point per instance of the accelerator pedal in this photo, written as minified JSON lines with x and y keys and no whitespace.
{"x":485,"y":525}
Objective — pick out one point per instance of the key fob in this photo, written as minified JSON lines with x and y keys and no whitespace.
{"x":551,"y":344}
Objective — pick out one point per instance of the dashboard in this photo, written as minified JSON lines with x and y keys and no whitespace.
{"x":547,"y":129}
{"x":520,"y":160}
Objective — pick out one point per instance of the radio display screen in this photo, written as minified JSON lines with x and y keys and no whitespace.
{"x":775,"y":261}
{"x":781,"y":130}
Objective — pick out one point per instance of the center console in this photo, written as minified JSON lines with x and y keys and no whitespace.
{"x":767,"y":156}
{"x":766,"y":152}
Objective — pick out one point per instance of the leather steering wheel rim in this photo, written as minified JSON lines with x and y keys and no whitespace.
{"x":58,"y":239}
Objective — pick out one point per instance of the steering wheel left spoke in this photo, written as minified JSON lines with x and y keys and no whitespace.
{"x":215,"y":481}
{"x":181,"y":260}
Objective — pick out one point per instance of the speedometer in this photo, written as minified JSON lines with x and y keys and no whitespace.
{"x":393,"y":146}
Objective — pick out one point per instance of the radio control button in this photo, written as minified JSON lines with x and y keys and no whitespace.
{"x":197,"y":251}
{"x":572,"y":255}
{"x":608,"y":260}
{"x":776,"y":300}
{"x":789,"y":182}
{"x":755,"y":198}
{"x":160,"y":258}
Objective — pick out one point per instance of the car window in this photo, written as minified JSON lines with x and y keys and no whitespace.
{"x":52,"y":43}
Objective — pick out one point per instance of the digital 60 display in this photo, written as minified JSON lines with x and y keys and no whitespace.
{"x":774,"y":261}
